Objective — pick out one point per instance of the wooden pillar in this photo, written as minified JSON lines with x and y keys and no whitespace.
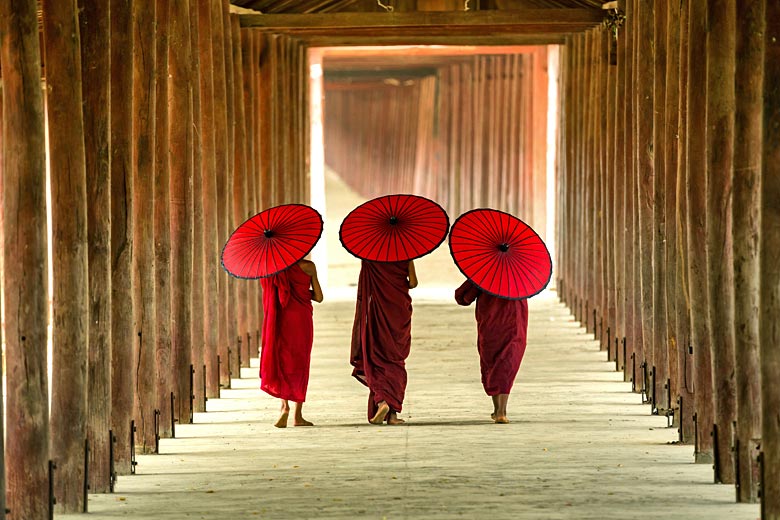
{"x":620,"y":173}
{"x":721,"y":57}
{"x":2,"y":327}
{"x":163,"y":355}
{"x":770,"y":268}
{"x":181,"y":138}
{"x":70,"y":330}
{"x":240,"y":182}
{"x":24,"y":268}
{"x":749,"y":90}
{"x":610,"y":176}
{"x":658,"y":153}
{"x":211,"y":267}
{"x":96,"y":75}
{"x":123,"y":336}
{"x":263,"y":109}
{"x":144,"y":79}
{"x":697,"y":229}
{"x":198,"y":260}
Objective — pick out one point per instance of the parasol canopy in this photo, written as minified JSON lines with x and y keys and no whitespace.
{"x":394,"y":228}
{"x":272,"y":241}
{"x":500,"y":253}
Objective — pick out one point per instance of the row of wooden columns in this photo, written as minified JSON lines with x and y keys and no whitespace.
{"x":160,"y":143}
{"x":667,"y":223}
{"x":471,"y":135}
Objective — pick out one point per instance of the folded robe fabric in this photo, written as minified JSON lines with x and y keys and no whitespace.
{"x":288,"y":333}
{"x":381,"y":334}
{"x":501,"y":336}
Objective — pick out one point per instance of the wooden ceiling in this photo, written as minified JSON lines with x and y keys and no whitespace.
{"x":367,"y":6}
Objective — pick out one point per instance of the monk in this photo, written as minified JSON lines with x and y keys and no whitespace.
{"x":501,"y":338}
{"x":288,"y":334}
{"x":381,"y":336}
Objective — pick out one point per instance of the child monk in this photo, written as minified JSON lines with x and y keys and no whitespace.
{"x":381,"y":336}
{"x":501,"y":337}
{"x":288,"y":334}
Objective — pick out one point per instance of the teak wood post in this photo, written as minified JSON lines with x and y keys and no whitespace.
{"x":697,"y":229}
{"x":181,"y":205}
{"x":611,"y":172}
{"x":632,"y":331}
{"x":2,"y":390}
{"x":70,"y":329}
{"x":749,"y":85}
{"x":24,"y":262}
{"x":770,"y":268}
{"x":96,"y":81}
{"x":123,"y":337}
{"x":211,"y":268}
{"x":721,"y":65}
{"x":163,"y":356}
{"x":222,"y":178}
{"x":144,"y":80}
{"x":197,"y":339}
{"x":620,"y":171}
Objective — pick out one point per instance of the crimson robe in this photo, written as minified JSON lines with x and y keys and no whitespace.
{"x":288,"y":333}
{"x":382,"y":332}
{"x":501,"y":336}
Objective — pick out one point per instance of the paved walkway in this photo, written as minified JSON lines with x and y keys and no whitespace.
{"x":580,"y":445}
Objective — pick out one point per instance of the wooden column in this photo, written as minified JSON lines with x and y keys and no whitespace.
{"x":70,"y":330}
{"x":263,"y":110}
{"x":2,"y":327}
{"x":211,"y":252}
{"x":610,"y":176}
{"x":181,"y":138}
{"x":96,"y":75}
{"x":198,"y":234}
{"x":620,"y":172}
{"x":697,"y":229}
{"x":749,"y":90}
{"x":240,"y":182}
{"x":24,"y":262}
{"x":123,"y":335}
{"x":770,"y":268}
{"x":721,"y":46}
{"x":144,"y":80}
{"x":640,"y":346}
{"x":163,"y":355}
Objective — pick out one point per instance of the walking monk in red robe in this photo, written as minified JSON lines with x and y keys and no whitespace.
{"x":288,"y":334}
{"x":501,"y":337}
{"x":382,"y":336}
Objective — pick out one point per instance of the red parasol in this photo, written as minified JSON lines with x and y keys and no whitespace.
{"x":272,"y":241}
{"x":500,"y":253}
{"x":394,"y":228}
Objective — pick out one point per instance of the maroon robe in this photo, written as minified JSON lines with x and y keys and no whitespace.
{"x":501,"y":336}
{"x":288,"y":333}
{"x":382,"y":333}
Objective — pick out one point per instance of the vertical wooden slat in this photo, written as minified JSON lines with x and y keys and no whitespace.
{"x":24,"y":261}
{"x":181,"y":139}
{"x":721,"y":57}
{"x":95,"y":70}
{"x":144,"y":80}
{"x":122,"y":326}
{"x":70,"y":329}
{"x":749,"y":90}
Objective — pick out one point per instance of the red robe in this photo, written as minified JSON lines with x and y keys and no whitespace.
{"x":501,"y":336}
{"x":382,"y":333}
{"x":288,"y":333}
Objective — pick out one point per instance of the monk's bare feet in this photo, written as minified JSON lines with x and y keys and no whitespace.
{"x":282,"y":421}
{"x":300,"y":421}
{"x":493,"y":416}
{"x":382,"y":410}
{"x":501,"y":419}
{"x":393,"y":420}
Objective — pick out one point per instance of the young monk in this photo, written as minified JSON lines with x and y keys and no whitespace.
{"x":381,"y":336}
{"x":288,"y":334}
{"x":501,"y":337}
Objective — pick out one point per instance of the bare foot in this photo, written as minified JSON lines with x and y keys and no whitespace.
{"x":300,"y":421}
{"x":501,"y":419}
{"x":382,"y":410}
{"x":493,"y":416}
{"x":395,"y":420}
{"x":282,"y":421}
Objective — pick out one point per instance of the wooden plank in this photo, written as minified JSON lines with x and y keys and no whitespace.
{"x":721,"y":66}
{"x":144,"y":99}
{"x":749,"y":91}
{"x":94,"y":28}
{"x":163,"y":356}
{"x":181,"y":142}
{"x":122,"y":326}
{"x":24,"y":262}
{"x":697,"y":230}
{"x":70,"y":314}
